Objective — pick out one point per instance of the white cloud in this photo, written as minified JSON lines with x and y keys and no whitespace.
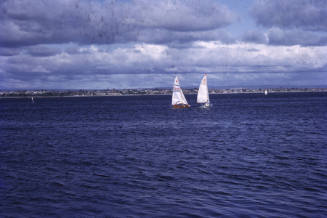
{"x":242,"y":62}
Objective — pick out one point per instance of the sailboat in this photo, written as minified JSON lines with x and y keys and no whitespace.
{"x":266,"y":92}
{"x":178,"y":99}
{"x":32,"y":100}
{"x":203,"y":93}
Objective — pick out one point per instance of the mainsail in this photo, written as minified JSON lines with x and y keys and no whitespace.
{"x":178,"y":96}
{"x":203,"y":94}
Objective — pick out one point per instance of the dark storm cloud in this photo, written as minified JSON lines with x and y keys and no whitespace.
{"x":291,"y":22}
{"x":303,"y":14}
{"x":9,"y":51}
{"x":161,"y":36}
{"x":184,"y":15}
{"x":255,"y":37}
{"x":41,"y":51}
{"x":86,"y":22}
{"x":278,"y":36}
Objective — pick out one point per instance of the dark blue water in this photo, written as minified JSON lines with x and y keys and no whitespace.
{"x":248,"y":155}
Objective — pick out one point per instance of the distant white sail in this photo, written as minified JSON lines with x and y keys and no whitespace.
{"x":178,"y":96}
{"x":266,"y":92}
{"x":203,"y":93}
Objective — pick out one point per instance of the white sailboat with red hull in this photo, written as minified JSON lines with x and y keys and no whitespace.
{"x":178,"y":99}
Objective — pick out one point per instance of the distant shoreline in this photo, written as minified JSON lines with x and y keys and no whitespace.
{"x":146,"y":92}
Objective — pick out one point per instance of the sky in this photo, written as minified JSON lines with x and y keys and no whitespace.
{"x":104,"y":44}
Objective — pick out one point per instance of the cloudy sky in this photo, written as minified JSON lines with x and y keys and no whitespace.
{"x":98,"y":44}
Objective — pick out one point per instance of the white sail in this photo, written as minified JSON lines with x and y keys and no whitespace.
{"x":266,"y":92}
{"x":178,"y":96}
{"x":203,"y":93}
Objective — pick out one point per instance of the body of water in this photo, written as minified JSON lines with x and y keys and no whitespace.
{"x":248,"y":155}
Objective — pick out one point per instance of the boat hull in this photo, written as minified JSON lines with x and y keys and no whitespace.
{"x":176,"y":106}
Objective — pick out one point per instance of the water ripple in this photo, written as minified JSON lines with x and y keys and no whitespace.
{"x":248,"y":156}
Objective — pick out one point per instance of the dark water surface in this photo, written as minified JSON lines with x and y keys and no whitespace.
{"x":249,"y":155}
